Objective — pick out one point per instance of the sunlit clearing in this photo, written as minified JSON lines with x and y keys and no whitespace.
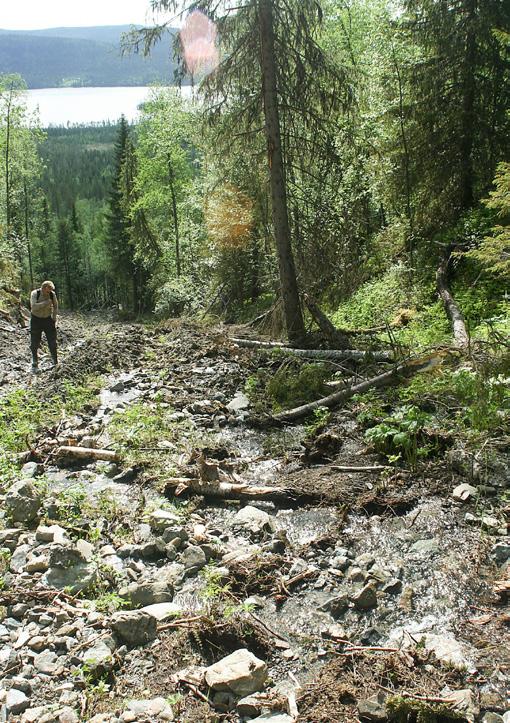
{"x":198,"y":38}
{"x":229,"y":218}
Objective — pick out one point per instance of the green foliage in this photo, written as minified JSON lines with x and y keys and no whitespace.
{"x":320,"y":418}
{"x":398,"y":436}
{"x":175,"y":297}
{"x":22,"y":414}
{"x":215,"y":588}
{"x":109,"y":602}
{"x":292,"y":384}
{"x":403,"y":710}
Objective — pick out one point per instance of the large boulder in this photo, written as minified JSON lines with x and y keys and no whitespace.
{"x":22,"y":502}
{"x":240,"y":673}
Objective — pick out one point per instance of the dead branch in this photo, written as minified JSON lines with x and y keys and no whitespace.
{"x":232,"y":490}
{"x":106,"y":455}
{"x":373,"y":468}
{"x":339,"y":354}
{"x":453,"y":312}
{"x":382,"y":380}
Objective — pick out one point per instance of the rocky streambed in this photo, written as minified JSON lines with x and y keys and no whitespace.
{"x":126,"y":598}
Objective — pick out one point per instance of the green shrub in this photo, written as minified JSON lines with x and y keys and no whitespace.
{"x":399,"y":435}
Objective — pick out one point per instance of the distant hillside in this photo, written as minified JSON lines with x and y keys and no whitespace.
{"x":60,"y":57}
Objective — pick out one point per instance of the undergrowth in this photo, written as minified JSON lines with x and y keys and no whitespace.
{"x":293,"y":383}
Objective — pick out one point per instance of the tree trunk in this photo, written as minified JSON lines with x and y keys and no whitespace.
{"x":453,"y":312}
{"x":289,"y":288}
{"x":337,"y":354}
{"x":176,"y":218}
{"x":468,"y":109}
{"x":27,"y":235}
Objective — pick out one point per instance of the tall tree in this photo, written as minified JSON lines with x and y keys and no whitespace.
{"x":272,"y":72}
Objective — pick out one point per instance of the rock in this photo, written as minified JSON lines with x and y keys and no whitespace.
{"x":334,"y":632}
{"x":365,"y":599}
{"x":492,"y":718}
{"x":464,"y":492}
{"x":135,"y":627}
{"x":501,"y":551}
{"x":465,"y":703}
{"x":22,"y":502}
{"x":446,"y":649}
{"x":155,"y":709}
{"x":19,"y":558}
{"x":491,"y":524}
{"x":393,"y":586}
{"x":53,"y":533}
{"x":148,"y":593}
{"x":9,"y":538}
{"x":506,"y":717}
{"x":47,"y":662}
{"x":16,"y":701}
{"x":37,"y":564}
{"x":85,"y":549}
{"x":98,"y":659}
{"x":273,"y":718}
{"x":65,"y":556}
{"x":251,"y":705}
{"x":194,"y":559}
{"x":31,"y":470}
{"x":337,"y":606}
{"x":240,"y":673}
{"x":238,"y":403}
{"x":253,"y":520}
{"x":159,"y":520}
{"x":77,"y":578}
{"x":127,"y":475}
{"x":34,"y":715}
{"x":425,"y":547}
{"x":163,"y":611}
{"x":373,"y":708}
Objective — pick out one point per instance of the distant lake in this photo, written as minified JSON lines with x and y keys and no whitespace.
{"x":60,"y":106}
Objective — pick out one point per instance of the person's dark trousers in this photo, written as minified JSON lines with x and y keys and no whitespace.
{"x":37,"y":326}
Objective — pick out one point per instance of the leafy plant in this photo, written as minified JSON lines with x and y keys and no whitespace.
{"x":398,"y":435}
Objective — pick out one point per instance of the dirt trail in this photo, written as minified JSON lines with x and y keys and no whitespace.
{"x":380,"y":588}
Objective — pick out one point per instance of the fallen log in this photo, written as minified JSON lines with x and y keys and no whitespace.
{"x":339,"y":340}
{"x":382,"y":380}
{"x":233,"y":490}
{"x":453,"y":312}
{"x":106,"y":455}
{"x":337,"y":354}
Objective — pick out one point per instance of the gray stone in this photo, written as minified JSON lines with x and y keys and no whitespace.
{"x":425,"y":547}
{"x":341,"y":562}
{"x":9,"y":538}
{"x":135,"y":627}
{"x":251,"y":705}
{"x":337,"y":606}
{"x":22,"y":502}
{"x":193,"y":558}
{"x":148,"y":593}
{"x":86,"y":549}
{"x":501,"y":551}
{"x":19,"y":558}
{"x":171,"y":534}
{"x":76,"y":578}
{"x":365,"y":599}
{"x":65,"y":556}
{"x":465,"y":703}
{"x":8,"y":657}
{"x":159,"y":520}
{"x":506,"y":717}
{"x":163,"y":611}
{"x":155,"y":709}
{"x":253,"y":520}
{"x":99,"y":658}
{"x":31,"y":470}
{"x":16,"y":702}
{"x":47,"y":662}
{"x":240,"y":673}
{"x":153,"y":550}
{"x":393,"y":586}
{"x":373,"y":708}
{"x":273,"y":718}
{"x":464,"y":492}
{"x":491,"y":524}
{"x":492,"y":718}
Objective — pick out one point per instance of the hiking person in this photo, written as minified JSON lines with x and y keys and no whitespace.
{"x":43,"y":317}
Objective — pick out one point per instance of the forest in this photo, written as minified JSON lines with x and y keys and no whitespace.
{"x":283,"y":406}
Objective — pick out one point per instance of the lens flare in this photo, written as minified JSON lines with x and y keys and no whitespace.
{"x":198,"y":38}
{"x":229,"y":218}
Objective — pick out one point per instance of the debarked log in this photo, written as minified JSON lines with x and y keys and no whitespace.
{"x":382,"y":380}
{"x":336,"y":354}
{"x":234,"y":491}
{"x":106,"y":455}
{"x":453,"y":312}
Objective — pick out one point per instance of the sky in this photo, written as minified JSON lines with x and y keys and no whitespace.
{"x":37,"y":14}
